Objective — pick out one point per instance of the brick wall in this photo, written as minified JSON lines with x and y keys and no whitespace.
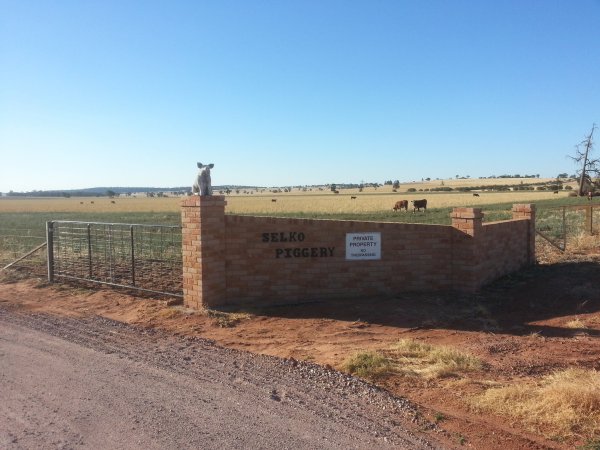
{"x":231,"y":259}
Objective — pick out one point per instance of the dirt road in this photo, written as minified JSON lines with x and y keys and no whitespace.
{"x":97,"y":383}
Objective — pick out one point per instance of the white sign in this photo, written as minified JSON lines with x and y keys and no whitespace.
{"x":363,"y":246}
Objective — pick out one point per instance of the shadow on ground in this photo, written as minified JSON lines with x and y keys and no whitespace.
{"x":519,"y":304}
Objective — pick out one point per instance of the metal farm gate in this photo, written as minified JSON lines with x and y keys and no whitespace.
{"x":557,"y":224}
{"x":142,"y":257}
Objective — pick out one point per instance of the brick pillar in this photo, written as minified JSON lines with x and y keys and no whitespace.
{"x":465,"y":255}
{"x":527,"y":211}
{"x":467,"y":220}
{"x":203,"y":247}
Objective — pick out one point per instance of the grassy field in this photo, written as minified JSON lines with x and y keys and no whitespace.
{"x":373,"y":202}
{"x":368,"y":205}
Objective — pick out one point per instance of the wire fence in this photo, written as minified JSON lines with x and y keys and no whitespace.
{"x":23,"y":249}
{"x":557,"y":225}
{"x":143,"y":257}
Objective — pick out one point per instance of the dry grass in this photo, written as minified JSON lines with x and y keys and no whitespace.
{"x":575,"y":324}
{"x":370,"y":365}
{"x":412,"y":358}
{"x":583,"y":242}
{"x":169,"y":313}
{"x":564,"y":404}
{"x":369,"y":202}
{"x":578,"y":246}
{"x":430,"y":361}
{"x":472,"y":182}
{"x":225,"y":319}
{"x":318,"y":201}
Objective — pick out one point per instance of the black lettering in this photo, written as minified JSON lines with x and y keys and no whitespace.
{"x":283,"y":236}
{"x":306,"y":252}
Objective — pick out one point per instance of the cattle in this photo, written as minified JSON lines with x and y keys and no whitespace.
{"x":202,"y":185}
{"x":401,"y":204}
{"x":336,"y":192}
{"x":273,"y":200}
{"x":555,"y":192}
{"x":475,"y":194}
{"x":590,"y":195}
{"x":418,"y":204}
{"x":352,"y":197}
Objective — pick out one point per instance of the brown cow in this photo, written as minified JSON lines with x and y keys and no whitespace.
{"x":401,"y":204}
{"x":418,"y":204}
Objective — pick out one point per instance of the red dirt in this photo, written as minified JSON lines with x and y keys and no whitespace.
{"x":517,"y":326}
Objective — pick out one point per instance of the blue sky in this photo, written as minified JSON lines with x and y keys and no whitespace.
{"x":283,"y":93}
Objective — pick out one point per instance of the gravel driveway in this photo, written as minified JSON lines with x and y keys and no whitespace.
{"x":96,"y":383}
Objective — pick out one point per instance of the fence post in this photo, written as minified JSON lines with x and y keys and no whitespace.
{"x":89,"y":242}
{"x":50,"y":250}
{"x":588,"y":220}
{"x":132,"y":255}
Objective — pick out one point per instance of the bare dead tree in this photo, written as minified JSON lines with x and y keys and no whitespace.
{"x":590,"y":167}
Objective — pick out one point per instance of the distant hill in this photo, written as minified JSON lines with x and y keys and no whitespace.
{"x":103,"y":191}
{"x":95,"y":191}
{"x":503,"y":182}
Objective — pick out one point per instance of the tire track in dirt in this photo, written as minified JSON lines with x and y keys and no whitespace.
{"x":329,"y":395}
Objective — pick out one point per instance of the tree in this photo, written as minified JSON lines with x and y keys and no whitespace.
{"x":396,"y":184}
{"x":590,"y":167}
